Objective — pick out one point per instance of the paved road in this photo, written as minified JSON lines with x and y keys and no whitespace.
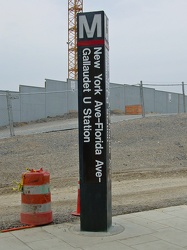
{"x":58,"y":125}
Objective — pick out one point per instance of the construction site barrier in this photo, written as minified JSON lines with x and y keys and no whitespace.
{"x":36,"y":198}
{"x":133,"y":109}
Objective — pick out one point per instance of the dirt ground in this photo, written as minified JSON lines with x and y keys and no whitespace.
{"x":149,"y":167}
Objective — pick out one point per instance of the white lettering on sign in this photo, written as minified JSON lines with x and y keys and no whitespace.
{"x":90,"y":31}
{"x":97,"y":84}
{"x":97,"y":57}
{"x":97,"y":64}
{"x":98,"y":129}
{"x":98,"y":107}
{"x":98,"y":168}
{"x":87,"y":100}
{"x":87,"y":112}
{"x":87,"y":124}
{"x":86,"y":69}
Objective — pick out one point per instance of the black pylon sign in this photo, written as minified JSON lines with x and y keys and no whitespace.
{"x":94,"y":121}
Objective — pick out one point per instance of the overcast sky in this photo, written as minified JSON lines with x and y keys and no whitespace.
{"x":148,"y":41}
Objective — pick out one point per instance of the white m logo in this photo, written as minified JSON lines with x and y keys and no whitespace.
{"x":96,"y":24}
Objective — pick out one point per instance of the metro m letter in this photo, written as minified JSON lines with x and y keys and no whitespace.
{"x":90,"y":31}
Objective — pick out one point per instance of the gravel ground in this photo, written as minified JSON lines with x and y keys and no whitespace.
{"x":149,"y":165}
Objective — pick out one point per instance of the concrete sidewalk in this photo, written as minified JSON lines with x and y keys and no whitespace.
{"x":159,"y":229}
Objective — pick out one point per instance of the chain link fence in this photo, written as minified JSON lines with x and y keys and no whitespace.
{"x":28,"y":105}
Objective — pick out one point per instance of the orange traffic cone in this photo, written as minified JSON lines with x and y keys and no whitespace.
{"x":77,"y":213}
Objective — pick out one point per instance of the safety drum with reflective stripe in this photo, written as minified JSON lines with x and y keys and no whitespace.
{"x":36,"y":198}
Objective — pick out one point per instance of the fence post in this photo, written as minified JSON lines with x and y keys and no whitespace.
{"x":142,"y":99}
{"x":178,"y":103}
{"x":184,"y":102}
{"x":10,"y":114}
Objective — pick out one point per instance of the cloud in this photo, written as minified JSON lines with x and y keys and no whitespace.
{"x":33,"y":41}
{"x":147,"y":40}
{"x":151,"y":38}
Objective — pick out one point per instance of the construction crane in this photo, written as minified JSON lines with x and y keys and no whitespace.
{"x":74,"y":6}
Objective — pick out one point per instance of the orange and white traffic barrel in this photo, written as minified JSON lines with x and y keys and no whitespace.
{"x":36,"y":198}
